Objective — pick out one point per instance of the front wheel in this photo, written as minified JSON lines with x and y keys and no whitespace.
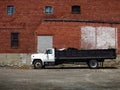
{"x":38,"y":64}
{"x":93,"y":64}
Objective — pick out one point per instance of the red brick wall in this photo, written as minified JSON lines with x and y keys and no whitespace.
{"x":118,"y":49}
{"x":118,"y":36}
{"x":26,"y":41}
{"x":33,"y":10}
{"x":68,"y":34}
{"x":29,"y":13}
{"x":65,"y":34}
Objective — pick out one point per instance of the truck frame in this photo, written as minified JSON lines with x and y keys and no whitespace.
{"x":93,"y":57}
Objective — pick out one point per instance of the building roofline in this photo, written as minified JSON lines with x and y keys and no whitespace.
{"x":85,"y":21}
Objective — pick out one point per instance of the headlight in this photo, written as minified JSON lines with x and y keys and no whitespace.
{"x":32,"y":56}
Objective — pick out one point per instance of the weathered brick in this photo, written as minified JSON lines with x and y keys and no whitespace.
{"x":29,"y":15}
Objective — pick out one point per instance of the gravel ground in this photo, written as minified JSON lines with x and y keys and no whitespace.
{"x":72,"y":78}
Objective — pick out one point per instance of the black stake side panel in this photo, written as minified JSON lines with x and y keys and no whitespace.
{"x":72,"y":53}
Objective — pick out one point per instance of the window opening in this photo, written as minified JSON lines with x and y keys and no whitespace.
{"x":14,"y":40}
{"x":49,"y":10}
{"x":76,"y":9}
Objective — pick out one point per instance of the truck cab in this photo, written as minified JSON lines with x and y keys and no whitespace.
{"x":39,"y":60}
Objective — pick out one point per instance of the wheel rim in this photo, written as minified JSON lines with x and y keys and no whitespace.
{"x":38,"y":65}
{"x":93,"y":64}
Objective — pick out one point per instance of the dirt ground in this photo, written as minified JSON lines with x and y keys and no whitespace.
{"x":64,"y":78}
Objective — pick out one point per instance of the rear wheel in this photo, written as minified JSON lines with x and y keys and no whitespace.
{"x":93,"y":64}
{"x":38,"y":64}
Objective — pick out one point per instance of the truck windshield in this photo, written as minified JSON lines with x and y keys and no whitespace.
{"x":48,"y":51}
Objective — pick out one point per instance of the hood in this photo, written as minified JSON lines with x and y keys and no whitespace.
{"x":39,"y":55}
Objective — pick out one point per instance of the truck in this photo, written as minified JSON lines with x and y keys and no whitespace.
{"x":94,"y":58}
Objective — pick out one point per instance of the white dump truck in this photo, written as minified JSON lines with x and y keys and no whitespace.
{"x":93,"y":57}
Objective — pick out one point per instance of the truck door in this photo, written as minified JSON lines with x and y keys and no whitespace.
{"x":50,"y":55}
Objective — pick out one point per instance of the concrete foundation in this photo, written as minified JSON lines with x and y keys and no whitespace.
{"x":14,"y":59}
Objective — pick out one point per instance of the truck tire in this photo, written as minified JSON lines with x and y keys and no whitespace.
{"x":38,"y":64}
{"x":93,"y":64}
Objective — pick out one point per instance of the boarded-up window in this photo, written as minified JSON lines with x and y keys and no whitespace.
{"x":44,"y":42}
{"x":98,"y":37}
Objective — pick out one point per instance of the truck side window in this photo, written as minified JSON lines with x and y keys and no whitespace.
{"x":49,"y":51}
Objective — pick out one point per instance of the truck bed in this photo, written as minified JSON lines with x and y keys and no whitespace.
{"x":72,"y":53}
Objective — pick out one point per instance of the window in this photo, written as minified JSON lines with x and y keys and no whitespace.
{"x":49,"y":52}
{"x":75,"y":9}
{"x":49,"y":10}
{"x":14,"y":40}
{"x":10,"y":10}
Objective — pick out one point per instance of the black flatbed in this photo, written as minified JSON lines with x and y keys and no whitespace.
{"x":73,"y":53}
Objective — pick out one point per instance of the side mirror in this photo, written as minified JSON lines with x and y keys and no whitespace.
{"x":46,"y":52}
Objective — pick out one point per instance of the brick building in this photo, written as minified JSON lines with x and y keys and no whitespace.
{"x":30,"y":26}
